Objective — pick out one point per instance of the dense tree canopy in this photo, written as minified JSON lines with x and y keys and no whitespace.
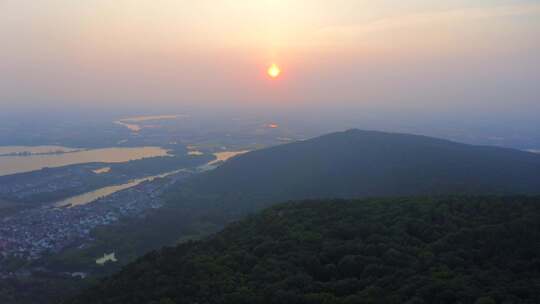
{"x":458,"y":249}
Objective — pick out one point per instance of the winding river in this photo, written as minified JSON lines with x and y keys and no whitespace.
{"x":91,"y":196}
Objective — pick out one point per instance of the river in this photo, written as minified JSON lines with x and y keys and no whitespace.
{"x":91,"y":196}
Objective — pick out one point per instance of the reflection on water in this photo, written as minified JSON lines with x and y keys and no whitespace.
{"x":18,"y":164}
{"x":89,"y":197}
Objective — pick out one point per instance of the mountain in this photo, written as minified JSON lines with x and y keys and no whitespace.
{"x":358,"y":163}
{"x":350,"y":164}
{"x":458,"y":249}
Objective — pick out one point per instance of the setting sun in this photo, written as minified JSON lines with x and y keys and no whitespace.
{"x":274,"y":71}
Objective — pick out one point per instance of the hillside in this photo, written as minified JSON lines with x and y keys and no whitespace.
{"x":356,"y":163}
{"x":340,"y":165}
{"x":347,"y":164}
{"x":419,"y":250}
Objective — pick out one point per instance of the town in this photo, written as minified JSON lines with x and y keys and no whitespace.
{"x":31,"y":234}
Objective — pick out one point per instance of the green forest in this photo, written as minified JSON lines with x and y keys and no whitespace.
{"x":448,"y":249}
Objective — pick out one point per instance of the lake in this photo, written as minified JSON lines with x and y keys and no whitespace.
{"x":12,"y":164}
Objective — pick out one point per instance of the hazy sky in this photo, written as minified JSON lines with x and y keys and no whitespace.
{"x":476,"y":55}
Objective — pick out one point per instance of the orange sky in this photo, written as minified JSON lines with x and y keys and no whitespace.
{"x":349,"y":52}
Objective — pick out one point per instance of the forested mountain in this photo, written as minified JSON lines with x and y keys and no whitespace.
{"x":358,"y":163}
{"x":458,"y":249}
{"x":349,"y":164}
{"x":367,"y":163}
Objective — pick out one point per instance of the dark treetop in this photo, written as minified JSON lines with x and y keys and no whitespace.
{"x":414,"y":250}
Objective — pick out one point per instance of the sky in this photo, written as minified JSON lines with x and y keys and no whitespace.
{"x":463,"y":56}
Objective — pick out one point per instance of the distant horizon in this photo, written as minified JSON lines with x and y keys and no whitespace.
{"x":454,"y":69}
{"x":419,"y":56}
{"x":483,"y":128}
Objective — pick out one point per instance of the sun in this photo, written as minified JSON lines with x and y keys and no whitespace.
{"x":274,"y":71}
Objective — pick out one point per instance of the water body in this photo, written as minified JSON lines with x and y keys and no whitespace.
{"x":91,"y":196}
{"x":111,"y":257}
{"x":102,"y":170}
{"x":221,"y":157}
{"x":26,"y":163}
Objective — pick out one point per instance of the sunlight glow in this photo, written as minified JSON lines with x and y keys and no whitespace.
{"x":274,"y":71}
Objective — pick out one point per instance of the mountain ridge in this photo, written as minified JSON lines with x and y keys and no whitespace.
{"x":357,"y":163}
